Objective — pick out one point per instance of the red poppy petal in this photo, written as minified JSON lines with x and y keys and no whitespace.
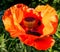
{"x":44,"y":43}
{"x":27,"y":39}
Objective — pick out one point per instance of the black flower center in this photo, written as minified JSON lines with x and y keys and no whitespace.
{"x":33,"y":33}
{"x":30,"y":23}
{"x":29,"y":19}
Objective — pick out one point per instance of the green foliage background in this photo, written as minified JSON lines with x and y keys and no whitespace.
{"x":8,"y":44}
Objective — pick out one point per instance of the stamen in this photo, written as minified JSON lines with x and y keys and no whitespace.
{"x":29,"y":19}
{"x":39,"y":22}
{"x":30,"y":23}
{"x":33,"y":33}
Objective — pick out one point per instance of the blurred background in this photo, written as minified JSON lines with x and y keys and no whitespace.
{"x":8,"y":44}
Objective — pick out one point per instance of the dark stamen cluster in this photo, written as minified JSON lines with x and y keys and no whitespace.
{"x":33,"y":33}
{"x":29,"y":19}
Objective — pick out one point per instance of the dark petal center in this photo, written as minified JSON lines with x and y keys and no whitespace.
{"x":33,"y":33}
{"x":29,"y":19}
{"x":39,"y":22}
{"x":30,"y":23}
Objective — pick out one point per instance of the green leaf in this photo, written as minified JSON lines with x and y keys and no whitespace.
{"x":58,"y":1}
{"x":58,"y":27}
{"x":45,"y":0}
{"x":39,"y":0}
{"x":57,"y":34}
{"x":50,"y":50}
{"x":55,"y":1}
{"x":2,"y":44}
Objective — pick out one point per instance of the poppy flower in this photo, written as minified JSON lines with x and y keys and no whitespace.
{"x":33,"y":27}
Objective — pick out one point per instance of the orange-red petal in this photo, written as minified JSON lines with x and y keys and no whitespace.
{"x":12,"y":18}
{"x":27,"y":39}
{"x":39,"y":43}
{"x":49,"y":18}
